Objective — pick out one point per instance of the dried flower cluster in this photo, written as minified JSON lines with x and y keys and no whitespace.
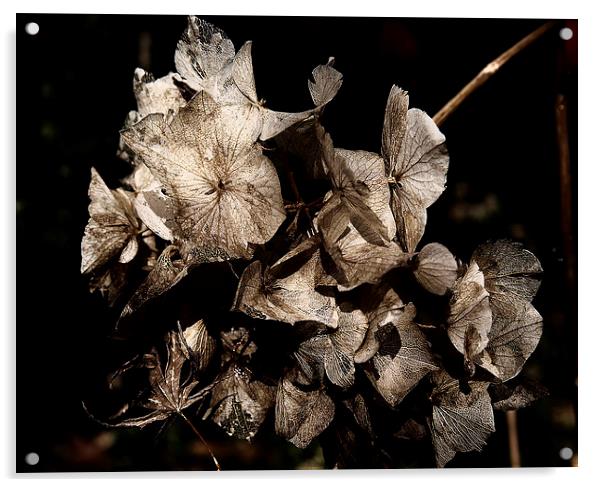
{"x":340,"y":326}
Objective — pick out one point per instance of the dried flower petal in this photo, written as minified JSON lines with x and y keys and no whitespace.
{"x":301,"y":415}
{"x":416,"y":163}
{"x":342,"y":344}
{"x":509,"y":269}
{"x":204,"y":51}
{"x":469,"y":320}
{"x":156,"y":96}
{"x":396,"y":353}
{"x":111,"y":227}
{"x":436,"y":268}
{"x":286,"y":292}
{"x":240,"y":402}
{"x":326,"y":83}
{"x":510,"y":398}
{"x":514,"y":335}
{"x":359,"y":195}
{"x":198,"y":345}
{"x":225,"y":192}
{"x":461,"y":422}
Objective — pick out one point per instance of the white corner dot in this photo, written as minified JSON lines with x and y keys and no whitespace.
{"x":32,"y":28}
{"x":566,"y":34}
{"x":566,"y":453}
{"x":32,"y":458}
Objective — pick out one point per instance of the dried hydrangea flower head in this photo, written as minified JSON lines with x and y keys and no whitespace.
{"x":331,"y":317}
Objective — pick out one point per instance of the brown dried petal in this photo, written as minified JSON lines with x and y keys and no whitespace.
{"x":461,"y":422}
{"x":301,"y":415}
{"x":225,"y":192}
{"x":284,"y":293}
{"x":156,"y":96}
{"x":203,"y":52}
{"x":505,"y":398}
{"x":514,"y":335}
{"x":342,"y":345}
{"x":470,"y":318}
{"x":360,"y":194}
{"x":509,"y":269}
{"x":169,"y":393}
{"x":273,"y":123}
{"x":359,"y":262}
{"x":436,"y":268}
{"x":403,"y":356}
{"x":416,"y":162}
{"x":326,"y":83}
{"x":166,"y":273}
{"x":111,"y":226}
{"x":240,"y":402}
{"x":198,"y":345}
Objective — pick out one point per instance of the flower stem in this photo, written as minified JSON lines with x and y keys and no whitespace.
{"x":200,"y":437}
{"x":291,"y":179}
{"x":488,"y":71}
{"x":513,"y":444}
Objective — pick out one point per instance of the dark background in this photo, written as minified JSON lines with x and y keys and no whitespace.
{"x":73,"y":93}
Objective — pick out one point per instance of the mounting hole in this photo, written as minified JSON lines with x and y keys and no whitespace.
{"x":566,"y":34}
{"x":566,"y":453}
{"x":32,"y":28}
{"x":32,"y":458}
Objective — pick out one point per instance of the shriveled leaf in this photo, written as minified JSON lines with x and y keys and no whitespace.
{"x":301,"y":415}
{"x":436,"y":268}
{"x":416,"y":163}
{"x":470,"y":318}
{"x":287,"y":290}
{"x":170,"y":394}
{"x":111,"y":227}
{"x":510,"y":398}
{"x":224,"y":191}
{"x":403,"y":356}
{"x":460,"y":422}
{"x":515,"y":333}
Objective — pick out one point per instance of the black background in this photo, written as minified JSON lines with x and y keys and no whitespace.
{"x":73,"y":93}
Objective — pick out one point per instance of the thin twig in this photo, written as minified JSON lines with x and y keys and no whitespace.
{"x":513,"y":444}
{"x":200,"y":437}
{"x":489,"y":71}
{"x":566,"y":197}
